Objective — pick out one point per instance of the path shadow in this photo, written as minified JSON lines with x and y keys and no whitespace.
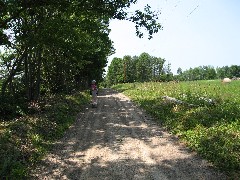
{"x":106,"y":131}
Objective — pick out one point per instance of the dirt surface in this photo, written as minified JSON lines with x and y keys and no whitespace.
{"x":117,"y":140}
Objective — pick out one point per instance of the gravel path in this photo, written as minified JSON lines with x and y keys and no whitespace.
{"x":117,"y":140}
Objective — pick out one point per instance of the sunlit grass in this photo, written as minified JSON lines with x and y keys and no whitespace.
{"x":208,"y":120}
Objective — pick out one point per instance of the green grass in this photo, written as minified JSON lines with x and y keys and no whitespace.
{"x":211,"y":129}
{"x":24,"y":141}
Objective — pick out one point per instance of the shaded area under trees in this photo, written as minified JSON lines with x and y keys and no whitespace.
{"x":58,"y":46}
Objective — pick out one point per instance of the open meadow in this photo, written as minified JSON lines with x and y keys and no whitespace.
{"x":204,"y":114}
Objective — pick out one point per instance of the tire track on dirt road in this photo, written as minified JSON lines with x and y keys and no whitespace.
{"x":117,"y":140}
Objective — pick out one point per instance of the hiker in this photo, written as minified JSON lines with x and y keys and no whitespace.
{"x":94,"y":91}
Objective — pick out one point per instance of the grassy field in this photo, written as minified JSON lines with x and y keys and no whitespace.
{"x":207,"y":119}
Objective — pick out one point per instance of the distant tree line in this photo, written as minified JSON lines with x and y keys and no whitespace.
{"x":145,"y":68}
{"x":208,"y":73}
{"x":141,"y":68}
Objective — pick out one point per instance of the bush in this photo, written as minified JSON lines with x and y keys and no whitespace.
{"x":11,"y":107}
{"x":25,"y":140}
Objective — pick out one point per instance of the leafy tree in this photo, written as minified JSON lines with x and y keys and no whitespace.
{"x":116,"y":71}
{"x":169,"y":72}
{"x":144,"y":67}
{"x":157,"y":68}
{"x":210,"y":72}
{"x":223,"y":72}
{"x":57,"y":46}
{"x":179,"y":71}
{"x":141,"y":68}
{"x":235,"y":71}
{"x":61,"y":43}
{"x":129,"y":69}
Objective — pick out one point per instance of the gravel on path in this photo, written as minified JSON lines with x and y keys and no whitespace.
{"x":118,"y":141}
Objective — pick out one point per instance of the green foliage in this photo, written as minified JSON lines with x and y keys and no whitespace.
{"x":208,"y":118}
{"x":208,"y":73}
{"x":116,"y":71}
{"x":58,"y":46}
{"x":24,"y":141}
{"x":143,"y":68}
{"x":54,"y":47}
{"x":12,"y":106}
{"x":150,"y":25}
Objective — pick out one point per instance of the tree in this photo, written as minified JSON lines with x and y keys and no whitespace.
{"x":115,"y":71}
{"x":157,"y":68}
{"x":235,"y":71}
{"x":129,"y":69}
{"x":167,"y":75}
{"x":143,"y":68}
{"x":61,"y":45}
{"x":179,"y":71}
{"x":223,"y":72}
{"x":210,"y":72}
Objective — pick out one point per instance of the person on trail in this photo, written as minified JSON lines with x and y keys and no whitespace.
{"x":94,"y":90}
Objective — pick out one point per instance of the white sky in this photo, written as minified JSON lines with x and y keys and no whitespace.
{"x":195,"y":33}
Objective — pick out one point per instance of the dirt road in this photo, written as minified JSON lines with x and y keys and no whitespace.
{"x":118,"y":141}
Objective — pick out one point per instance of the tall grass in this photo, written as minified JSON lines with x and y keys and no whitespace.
{"x":208,"y":120}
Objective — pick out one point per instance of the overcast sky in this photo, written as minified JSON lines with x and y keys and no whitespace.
{"x":195,"y":33}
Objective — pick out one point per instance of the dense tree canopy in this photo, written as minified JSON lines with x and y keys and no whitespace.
{"x":61,"y":43}
{"x":56,"y":46}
